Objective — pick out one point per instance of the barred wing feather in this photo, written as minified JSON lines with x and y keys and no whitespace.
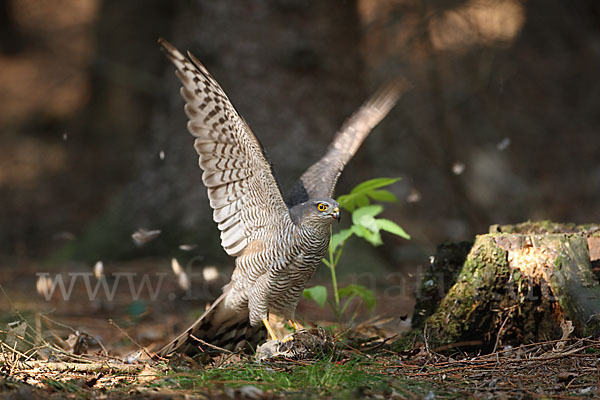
{"x":242,"y":188}
{"x":320,"y":179}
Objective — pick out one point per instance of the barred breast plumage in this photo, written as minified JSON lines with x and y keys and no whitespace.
{"x":278,"y":242}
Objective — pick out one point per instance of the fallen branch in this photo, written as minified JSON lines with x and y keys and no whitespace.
{"x":81,"y":367}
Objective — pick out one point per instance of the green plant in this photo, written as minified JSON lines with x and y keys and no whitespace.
{"x":364,"y":225}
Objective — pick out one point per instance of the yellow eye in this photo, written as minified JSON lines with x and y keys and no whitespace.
{"x":321,"y":206}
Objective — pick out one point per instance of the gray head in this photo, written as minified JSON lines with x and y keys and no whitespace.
{"x":317,"y":211}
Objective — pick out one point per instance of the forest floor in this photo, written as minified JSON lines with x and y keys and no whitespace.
{"x":68,"y":346}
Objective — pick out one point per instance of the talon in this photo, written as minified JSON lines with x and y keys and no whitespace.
{"x":272,"y":334}
{"x":289,"y":338}
{"x":294,"y":325}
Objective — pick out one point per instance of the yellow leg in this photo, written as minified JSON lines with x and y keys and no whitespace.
{"x":272,"y":334}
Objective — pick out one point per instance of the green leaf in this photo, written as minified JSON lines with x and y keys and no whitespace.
{"x":372,"y":237}
{"x":362,"y":201}
{"x":367,"y":296}
{"x":364,"y":217}
{"x":316,"y":293}
{"x":383,"y":195}
{"x":339,"y":238}
{"x":368,"y":210}
{"x":344,"y":201}
{"x":391,"y":227}
{"x":369,"y":222}
{"x":374,"y":184}
{"x":359,"y":196}
{"x":351,"y":202}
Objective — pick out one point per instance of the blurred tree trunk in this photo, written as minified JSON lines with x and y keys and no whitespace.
{"x":110,"y":139}
{"x":291,"y":68}
{"x":11,"y":38}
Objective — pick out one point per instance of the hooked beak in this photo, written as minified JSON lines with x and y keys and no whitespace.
{"x":336,"y":214}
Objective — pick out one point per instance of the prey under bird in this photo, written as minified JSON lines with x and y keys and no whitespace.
{"x":278,"y":241}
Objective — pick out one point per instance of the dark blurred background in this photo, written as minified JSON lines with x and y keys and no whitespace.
{"x":501,"y":125}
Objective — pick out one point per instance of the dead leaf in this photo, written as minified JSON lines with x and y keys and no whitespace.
{"x":43,"y":285}
{"x":15,"y":337}
{"x":210,"y":273}
{"x":567,"y":328}
{"x":184,"y":281}
{"x":133,"y":357}
{"x":566,"y":376}
{"x":98,"y":269}
{"x":77,"y":343}
{"x":147,"y":374}
{"x":143,"y":236}
{"x":176,"y":267}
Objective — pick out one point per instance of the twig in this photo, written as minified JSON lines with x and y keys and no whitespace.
{"x":500,"y":330}
{"x":425,"y":338}
{"x":11,"y":303}
{"x":457,"y":344}
{"x":354,"y":349}
{"x":110,"y":321}
{"x":13,"y":350}
{"x":598,"y":376}
{"x":212,"y":346}
{"x":73,"y":330}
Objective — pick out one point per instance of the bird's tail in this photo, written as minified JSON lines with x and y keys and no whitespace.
{"x":217,"y":328}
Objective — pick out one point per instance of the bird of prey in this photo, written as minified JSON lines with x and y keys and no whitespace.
{"x":278,"y":241}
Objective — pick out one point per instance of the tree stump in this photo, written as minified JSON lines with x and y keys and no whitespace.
{"x":516,"y":285}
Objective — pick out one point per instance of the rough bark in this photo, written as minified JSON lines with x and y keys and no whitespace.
{"x":518,"y":285}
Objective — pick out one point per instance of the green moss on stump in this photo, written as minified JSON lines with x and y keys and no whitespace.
{"x":514,"y":288}
{"x":465,"y":312}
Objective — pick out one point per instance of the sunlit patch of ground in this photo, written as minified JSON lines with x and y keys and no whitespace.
{"x":146,"y":299}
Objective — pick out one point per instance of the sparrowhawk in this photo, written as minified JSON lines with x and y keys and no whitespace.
{"x":278,"y":242}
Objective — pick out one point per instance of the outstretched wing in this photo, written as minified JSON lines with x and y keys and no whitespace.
{"x":242,"y":189}
{"x":319,"y":180}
